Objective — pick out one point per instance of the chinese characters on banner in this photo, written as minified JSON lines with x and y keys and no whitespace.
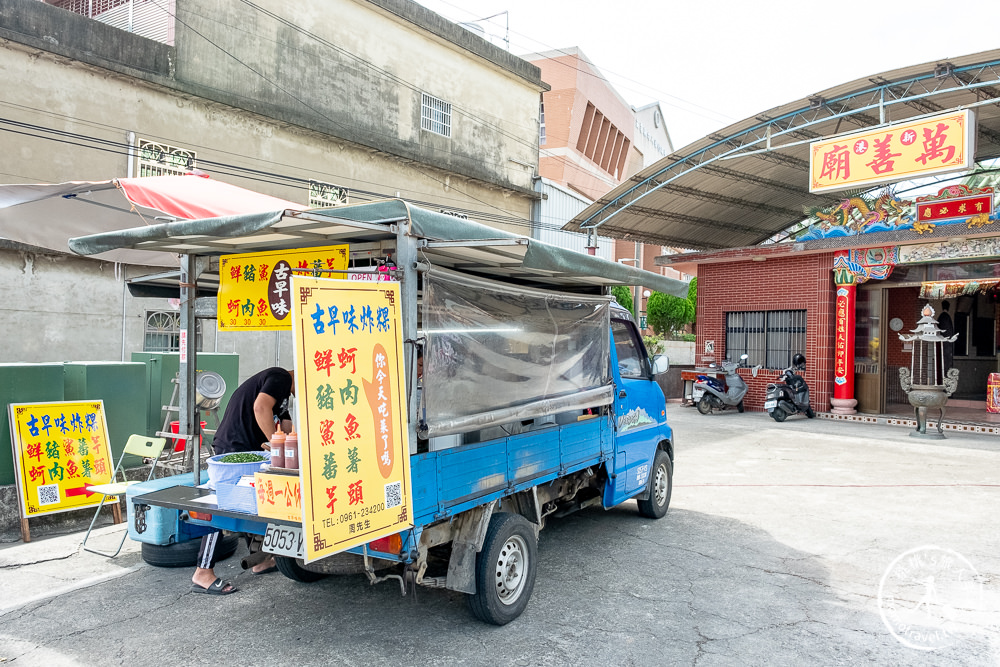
{"x":354,"y":450}
{"x":59,"y":449}
{"x":255,"y":288}
{"x":840,"y":353}
{"x":907,"y":150}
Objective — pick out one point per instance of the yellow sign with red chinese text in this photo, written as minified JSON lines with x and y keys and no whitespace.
{"x":254,"y":288}
{"x":909,"y":150}
{"x":353,"y":441}
{"x":278,"y":496}
{"x":59,"y":449}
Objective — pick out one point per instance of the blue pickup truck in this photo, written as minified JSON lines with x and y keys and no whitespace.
{"x":537,"y":396}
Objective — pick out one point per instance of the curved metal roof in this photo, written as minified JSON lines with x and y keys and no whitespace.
{"x":748,"y":182}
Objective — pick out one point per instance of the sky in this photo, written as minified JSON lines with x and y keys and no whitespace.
{"x":712,"y":63}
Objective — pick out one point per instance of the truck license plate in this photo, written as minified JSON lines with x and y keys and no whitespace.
{"x":770,"y":405}
{"x":284,"y":541}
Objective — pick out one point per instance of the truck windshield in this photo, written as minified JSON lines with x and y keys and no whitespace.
{"x":631,"y":361}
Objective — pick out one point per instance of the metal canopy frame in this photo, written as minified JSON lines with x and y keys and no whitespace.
{"x":749,"y":183}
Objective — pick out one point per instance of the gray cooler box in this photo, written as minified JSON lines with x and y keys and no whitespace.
{"x":160,"y":525}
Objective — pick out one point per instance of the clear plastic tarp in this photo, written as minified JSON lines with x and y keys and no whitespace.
{"x":495,"y":352}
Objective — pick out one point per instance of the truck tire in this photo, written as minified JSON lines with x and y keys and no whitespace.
{"x":185,"y":554}
{"x":661,"y":486}
{"x":290,"y":568}
{"x":705,"y":405}
{"x":505,"y":570}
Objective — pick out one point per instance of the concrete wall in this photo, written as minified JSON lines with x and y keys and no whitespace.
{"x":336,"y":98}
{"x":309,"y":97}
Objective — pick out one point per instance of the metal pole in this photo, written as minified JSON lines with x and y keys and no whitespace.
{"x":188,"y":364}
{"x":406,"y":260}
{"x":124,"y":316}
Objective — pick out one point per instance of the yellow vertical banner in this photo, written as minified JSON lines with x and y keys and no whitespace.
{"x":354,"y":449}
{"x":254,"y":288}
{"x":60,"y":448}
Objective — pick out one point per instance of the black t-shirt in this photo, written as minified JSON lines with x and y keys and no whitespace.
{"x":238,"y":431}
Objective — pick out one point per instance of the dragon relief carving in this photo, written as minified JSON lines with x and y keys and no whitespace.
{"x":856,"y":213}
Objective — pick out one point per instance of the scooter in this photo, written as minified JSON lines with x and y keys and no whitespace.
{"x":709,"y":393}
{"x":790,"y":395}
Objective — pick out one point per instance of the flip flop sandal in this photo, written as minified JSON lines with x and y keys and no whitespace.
{"x":273,"y":568}
{"x":217,"y":587}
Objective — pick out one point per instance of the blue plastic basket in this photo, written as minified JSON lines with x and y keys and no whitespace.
{"x":230,"y":473}
{"x":236,"y":498}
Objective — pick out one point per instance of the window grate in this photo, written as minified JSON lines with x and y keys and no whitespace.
{"x":541,"y":123}
{"x":163,"y":332}
{"x":156,"y":159}
{"x":435,"y":115}
{"x":769,"y":338}
{"x":326,"y":195}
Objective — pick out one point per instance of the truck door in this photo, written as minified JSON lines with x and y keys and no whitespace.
{"x":639,"y":407}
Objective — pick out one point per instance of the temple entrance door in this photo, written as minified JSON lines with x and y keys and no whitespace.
{"x":869,"y":353}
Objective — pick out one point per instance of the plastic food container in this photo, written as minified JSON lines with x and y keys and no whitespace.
{"x":230,"y":473}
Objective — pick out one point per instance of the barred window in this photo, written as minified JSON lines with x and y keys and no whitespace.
{"x":156,"y":159}
{"x":435,"y":115}
{"x":326,"y":195}
{"x":163,"y":331}
{"x":541,"y":123}
{"x":769,"y":337}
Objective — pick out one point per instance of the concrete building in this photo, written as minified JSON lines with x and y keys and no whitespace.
{"x":591,"y":141}
{"x":321,"y":103}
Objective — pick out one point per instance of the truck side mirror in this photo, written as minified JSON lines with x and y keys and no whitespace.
{"x":661,"y":364}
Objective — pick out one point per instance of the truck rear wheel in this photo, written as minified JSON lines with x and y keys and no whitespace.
{"x":290,"y":568}
{"x":505,"y":570}
{"x":661,"y":486}
{"x":185,"y":554}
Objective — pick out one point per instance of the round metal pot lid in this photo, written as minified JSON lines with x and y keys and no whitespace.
{"x":210,"y":385}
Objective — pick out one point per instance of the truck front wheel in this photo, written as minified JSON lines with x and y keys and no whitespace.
{"x":505,"y":570}
{"x":661,"y":486}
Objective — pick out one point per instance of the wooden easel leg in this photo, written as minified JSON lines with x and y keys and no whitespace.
{"x":116,"y":511}
{"x":25,"y":532}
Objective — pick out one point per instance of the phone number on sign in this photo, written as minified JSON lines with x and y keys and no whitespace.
{"x":359,"y":514}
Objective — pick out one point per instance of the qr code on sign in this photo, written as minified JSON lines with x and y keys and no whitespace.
{"x":393,"y":494}
{"x":48,"y":494}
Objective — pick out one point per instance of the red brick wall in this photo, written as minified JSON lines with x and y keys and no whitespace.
{"x":904,"y":303}
{"x":778,"y":283}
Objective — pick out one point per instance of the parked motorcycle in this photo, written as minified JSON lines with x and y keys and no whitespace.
{"x":790,"y":395}
{"x":712,"y":394}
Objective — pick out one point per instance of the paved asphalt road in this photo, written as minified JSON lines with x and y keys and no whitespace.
{"x":773,"y":553}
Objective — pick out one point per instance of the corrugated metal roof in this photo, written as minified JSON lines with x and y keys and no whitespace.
{"x":748,"y":182}
{"x":446,"y":241}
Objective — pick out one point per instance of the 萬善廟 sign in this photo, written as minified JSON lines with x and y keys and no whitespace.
{"x":903,"y":151}
{"x":353,"y":440}
{"x":255,"y":288}
{"x":60,"y":449}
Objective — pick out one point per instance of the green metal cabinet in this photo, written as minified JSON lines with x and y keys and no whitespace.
{"x":121,"y":385}
{"x":24,"y":383}
{"x":162,"y":367}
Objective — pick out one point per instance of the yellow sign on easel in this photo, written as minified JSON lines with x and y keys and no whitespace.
{"x":59,"y":449}
{"x":255,"y":288}
{"x":354,"y":446}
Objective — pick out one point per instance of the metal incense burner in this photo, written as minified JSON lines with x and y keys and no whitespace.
{"x":925,"y":382}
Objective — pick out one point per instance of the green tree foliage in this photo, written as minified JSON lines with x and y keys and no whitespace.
{"x":693,"y":298}
{"x":623,"y":295}
{"x":666,"y":313}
